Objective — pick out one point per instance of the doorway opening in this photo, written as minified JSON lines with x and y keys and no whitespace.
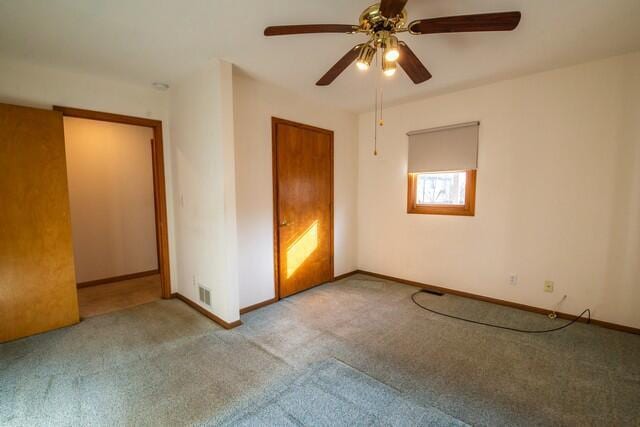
{"x":302,"y":206}
{"x":117,"y":197}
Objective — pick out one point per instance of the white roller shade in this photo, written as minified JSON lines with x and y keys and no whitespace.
{"x":445,"y":148}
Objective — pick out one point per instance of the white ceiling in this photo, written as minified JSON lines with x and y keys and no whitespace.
{"x":161,"y":40}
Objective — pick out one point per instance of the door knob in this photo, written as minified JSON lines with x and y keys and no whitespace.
{"x":284,"y":223}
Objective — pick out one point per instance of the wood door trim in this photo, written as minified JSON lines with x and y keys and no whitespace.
{"x":107,"y":117}
{"x":206,"y":313}
{"x":256,"y":306}
{"x":159,"y":190}
{"x":497,"y":301}
{"x":275,"y":121}
{"x":113,"y":279}
{"x":345,"y":275}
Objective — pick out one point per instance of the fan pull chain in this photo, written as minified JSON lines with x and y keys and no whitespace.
{"x":375,"y":119}
{"x":375,"y":126}
{"x":381,"y":122}
{"x":378,"y":121}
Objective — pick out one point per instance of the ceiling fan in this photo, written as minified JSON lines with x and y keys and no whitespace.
{"x":381,"y":22}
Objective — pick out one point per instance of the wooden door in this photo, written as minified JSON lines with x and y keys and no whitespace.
{"x":303,"y":202}
{"x":37,"y":278}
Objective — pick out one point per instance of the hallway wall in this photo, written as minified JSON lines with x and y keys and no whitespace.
{"x":110,"y":175}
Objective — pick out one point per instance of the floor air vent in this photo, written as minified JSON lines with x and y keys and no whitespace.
{"x":205,"y":295}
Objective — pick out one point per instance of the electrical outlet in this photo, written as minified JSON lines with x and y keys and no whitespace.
{"x":513,"y":279}
{"x":548,"y":286}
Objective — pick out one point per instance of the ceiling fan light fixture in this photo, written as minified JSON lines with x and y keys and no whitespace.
{"x":388,"y":67}
{"x":391,"y":51}
{"x":365,"y":57}
{"x":381,"y":22}
{"x":362,"y":66}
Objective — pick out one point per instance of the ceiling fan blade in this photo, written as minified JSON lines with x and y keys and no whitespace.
{"x":391,"y":8}
{"x":282,"y":30}
{"x":339,"y":66}
{"x":410,"y":63}
{"x":502,"y":21}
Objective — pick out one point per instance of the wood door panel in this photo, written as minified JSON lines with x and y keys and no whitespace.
{"x":304,"y":206}
{"x":37,"y":278}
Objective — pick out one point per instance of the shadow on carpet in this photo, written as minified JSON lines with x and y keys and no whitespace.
{"x":331,"y":393}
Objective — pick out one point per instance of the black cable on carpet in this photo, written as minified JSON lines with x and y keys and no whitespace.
{"x":413,"y":298}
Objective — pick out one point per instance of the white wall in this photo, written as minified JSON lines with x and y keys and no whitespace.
{"x":255,"y":103}
{"x":110,"y":176}
{"x":558,"y":192}
{"x":204,"y":187}
{"x":577,"y":126}
{"x":38,"y":86}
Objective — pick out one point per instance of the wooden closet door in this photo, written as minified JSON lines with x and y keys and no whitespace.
{"x":304,"y":202}
{"x":37,"y":278}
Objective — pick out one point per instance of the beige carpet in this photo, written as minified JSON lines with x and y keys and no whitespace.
{"x":109,"y":297}
{"x":164,"y":364}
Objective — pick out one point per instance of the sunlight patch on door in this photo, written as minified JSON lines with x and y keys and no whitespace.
{"x":302,"y":248}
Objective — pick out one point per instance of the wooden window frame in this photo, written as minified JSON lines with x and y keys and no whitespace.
{"x":468,"y":209}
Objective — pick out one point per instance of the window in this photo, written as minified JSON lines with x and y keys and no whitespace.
{"x":442,"y":165}
{"x":442,"y":193}
{"x":440,"y":188}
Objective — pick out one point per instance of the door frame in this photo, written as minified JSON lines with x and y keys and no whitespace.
{"x":159,"y":190}
{"x":275,"y":121}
